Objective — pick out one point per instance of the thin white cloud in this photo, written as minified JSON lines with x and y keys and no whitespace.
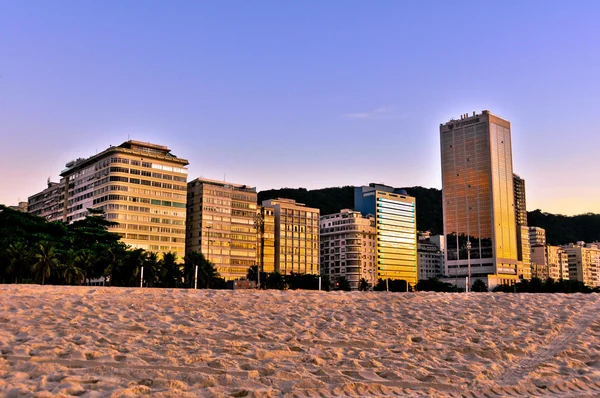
{"x":377,"y":113}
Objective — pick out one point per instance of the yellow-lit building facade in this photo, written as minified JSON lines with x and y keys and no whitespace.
{"x":296,"y":236}
{"x":478,"y":197}
{"x":221,"y":224}
{"x":139,"y":185}
{"x":395,"y":230}
{"x":265,"y":256}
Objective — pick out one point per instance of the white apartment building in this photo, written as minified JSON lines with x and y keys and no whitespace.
{"x":348,"y":247}
{"x":549,"y":262}
{"x":584,"y":263}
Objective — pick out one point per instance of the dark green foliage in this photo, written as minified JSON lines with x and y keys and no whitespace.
{"x":328,"y":200}
{"x":395,"y":285}
{"x":304,"y":281}
{"x":342,"y":283}
{"x":536,"y":285}
{"x":363,"y":285}
{"x":429,"y":209}
{"x":479,"y":286}
{"x":208,"y":277}
{"x":562,"y":230}
{"x":435,"y":285}
{"x":275,"y":280}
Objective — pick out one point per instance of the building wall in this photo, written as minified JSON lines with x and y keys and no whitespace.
{"x":348,"y":247}
{"x":221,"y":219}
{"x":524,"y":264}
{"x":141,"y":186}
{"x":48,"y":203}
{"x":478,"y":196}
{"x":537,"y":236}
{"x":584,"y":263}
{"x":395,"y":227}
{"x":266,"y":248}
{"x":296,"y":237}
{"x":431,"y":261}
{"x":520,"y":201}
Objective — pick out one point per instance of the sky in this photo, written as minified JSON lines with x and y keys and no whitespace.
{"x":302,"y":94}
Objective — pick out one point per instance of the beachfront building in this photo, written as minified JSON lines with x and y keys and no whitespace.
{"x":524,"y":262}
{"x":21,"y":206}
{"x":549,"y":262}
{"x":296,"y":236}
{"x":395,"y":230}
{"x":584,"y":263}
{"x":139,"y":185}
{"x":430,"y":260}
{"x":478,"y":198}
{"x":266,"y":238}
{"x":221,"y":219}
{"x":537,"y":236}
{"x":48,"y":203}
{"x":348,"y":247}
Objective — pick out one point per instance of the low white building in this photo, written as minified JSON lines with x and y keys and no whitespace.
{"x":348,"y":247}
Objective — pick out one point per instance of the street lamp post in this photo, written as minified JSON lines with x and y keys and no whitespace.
{"x":208,"y":227}
{"x":468,"y":289}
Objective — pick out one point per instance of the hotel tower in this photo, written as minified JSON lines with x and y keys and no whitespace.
{"x":478,"y":197}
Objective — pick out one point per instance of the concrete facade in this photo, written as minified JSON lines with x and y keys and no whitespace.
{"x":348,"y":247}
{"x":396,"y":230}
{"x":584,"y":263}
{"x":139,"y":185}
{"x":296,"y":236}
{"x":221,"y":224}
{"x":478,"y":196}
{"x":48,"y":203}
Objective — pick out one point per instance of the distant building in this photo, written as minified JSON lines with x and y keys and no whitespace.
{"x":139,"y":185}
{"x":584,"y":263}
{"x":478,"y":197}
{"x":221,"y":219}
{"x":348,"y":247}
{"x":395,"y":227}
{"x":22,"y":207}
{"x":48,"y":203}
{"x":524,"y":263}
{"x":266,"y":243}
{"x":520,"y":202}
{"x":296,"y":237}
{"x":549,"y":262}
{"x":431,"y":260}
{"x":537,"y":236}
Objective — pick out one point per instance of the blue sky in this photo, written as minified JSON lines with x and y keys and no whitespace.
{"x":302,"y":94}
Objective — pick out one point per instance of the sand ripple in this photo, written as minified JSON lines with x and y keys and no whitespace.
{"x":126,"y":342}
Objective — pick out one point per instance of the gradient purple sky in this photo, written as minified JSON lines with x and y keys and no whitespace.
{"x":302,"y":94}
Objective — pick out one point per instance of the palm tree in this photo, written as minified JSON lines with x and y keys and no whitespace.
{"x":86,"y":262}
{"x":363,"y":285}
{"x":152,"y":268}
{"x":71,"y":271}
{"x":46,"y":261}
{"x":170,"y":270}
{"x":18,"y":259}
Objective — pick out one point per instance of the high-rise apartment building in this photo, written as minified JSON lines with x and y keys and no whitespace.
{"x":395,"y":230}
{"x":221,"y":224}
{"x":584,"y":263}
{"x":537,"y":236}
{"x":48,"y":203}
{"x":478,"y":197}
{"x":266,"y":241}
{"x":296,"y":236}
{"x":553,"y":259}
{"x":141,"y":186}
{"x":520,"y":202}
{"x":348,"y":247}
{"x":524,"y":263}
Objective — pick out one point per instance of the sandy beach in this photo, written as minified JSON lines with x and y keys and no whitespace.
{"x":124,"y":342}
